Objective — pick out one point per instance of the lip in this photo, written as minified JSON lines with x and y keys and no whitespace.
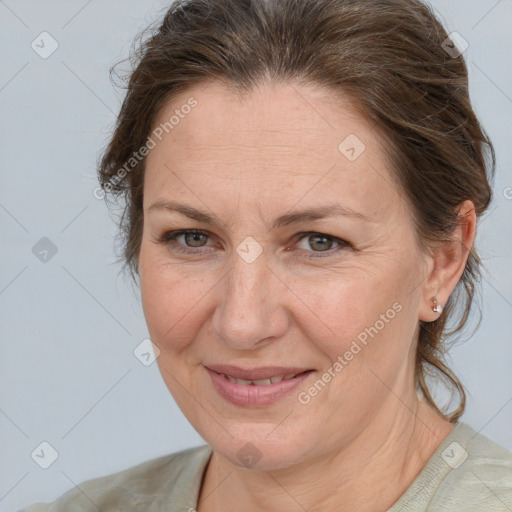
{"x":254,"y":395}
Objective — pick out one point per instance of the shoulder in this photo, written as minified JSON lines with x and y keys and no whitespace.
{"x":467,"y":473}
{"x":173,"y":478}
{"x":480,"y":474}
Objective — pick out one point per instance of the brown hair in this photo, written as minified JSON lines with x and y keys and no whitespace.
{"x":389,"y":55}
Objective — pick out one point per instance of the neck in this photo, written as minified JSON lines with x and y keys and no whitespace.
{"x":370,"y":474}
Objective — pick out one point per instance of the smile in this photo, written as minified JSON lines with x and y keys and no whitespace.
{"x":261,"y":382}
{"x":259,"y":387}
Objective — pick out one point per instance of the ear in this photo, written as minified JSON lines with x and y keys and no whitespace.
{"x":447,"y":263}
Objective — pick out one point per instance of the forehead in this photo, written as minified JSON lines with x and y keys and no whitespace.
{"x":272,"y":114}
{"x":280,"y":135}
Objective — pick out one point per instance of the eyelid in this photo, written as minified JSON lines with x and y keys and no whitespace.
{"x":341,"y":243}
{"x":170,"y":236}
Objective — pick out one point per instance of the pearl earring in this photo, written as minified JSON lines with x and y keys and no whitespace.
{"x":436,"y":307}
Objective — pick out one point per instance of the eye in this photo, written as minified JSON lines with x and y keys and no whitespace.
{"x":194,"y":239}
{"x":320,"y":243}
{"x":185,"y":240}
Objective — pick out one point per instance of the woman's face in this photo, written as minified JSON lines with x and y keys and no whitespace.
{"x":301,"y":260}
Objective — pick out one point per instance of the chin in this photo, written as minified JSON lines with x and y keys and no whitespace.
{"x":258,"y":447}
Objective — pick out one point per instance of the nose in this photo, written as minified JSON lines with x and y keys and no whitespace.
{"x":250,"y":311}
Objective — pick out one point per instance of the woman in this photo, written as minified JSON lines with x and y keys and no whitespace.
{"x":303,"y":182}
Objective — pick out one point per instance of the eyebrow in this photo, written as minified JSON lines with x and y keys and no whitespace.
{"x":294,"y":217}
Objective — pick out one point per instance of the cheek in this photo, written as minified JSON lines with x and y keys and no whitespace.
{"x":363,"y":318}
{"x":170,"y":306}
{"x":343,"y":303}
{"x":171,"y":300}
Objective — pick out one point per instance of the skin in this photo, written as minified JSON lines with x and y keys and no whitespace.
{"x":363,"y":439}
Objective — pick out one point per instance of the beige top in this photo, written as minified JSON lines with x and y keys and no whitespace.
{"x":467,"y":473}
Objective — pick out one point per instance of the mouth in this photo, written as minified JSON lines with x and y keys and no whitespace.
{"x":261,"y":382}
{"x":255,"y":387}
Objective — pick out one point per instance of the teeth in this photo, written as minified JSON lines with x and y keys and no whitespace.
{"x":261,"y":382}
{"x":239,"y":381}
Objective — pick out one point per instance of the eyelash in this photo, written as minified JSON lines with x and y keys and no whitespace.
{"x":169,"y":238}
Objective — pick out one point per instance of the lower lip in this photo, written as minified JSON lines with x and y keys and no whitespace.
{"x":253,"y":395}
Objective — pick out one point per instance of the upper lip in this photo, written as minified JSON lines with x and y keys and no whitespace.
{"x":263,"y":372}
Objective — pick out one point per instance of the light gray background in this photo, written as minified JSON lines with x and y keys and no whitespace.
{"x":69,"y":326}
